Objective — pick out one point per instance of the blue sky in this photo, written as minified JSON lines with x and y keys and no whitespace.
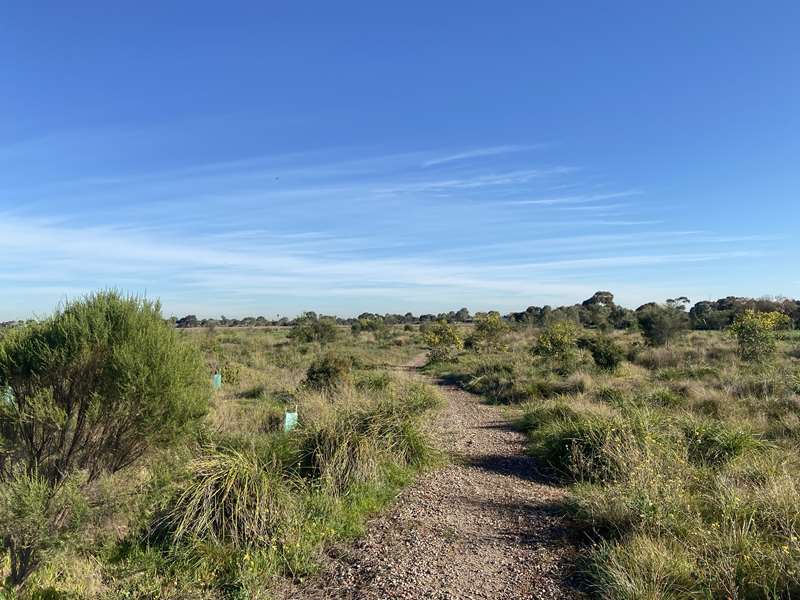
{"x":269,"y":158}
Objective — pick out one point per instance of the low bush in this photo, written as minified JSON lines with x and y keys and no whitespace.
{"x":558,"y":346}
{"x":231,"y":373}
{"x":490,"y":330}
{"x":443,"y":339}
{"x":37,"y":516}
{"x":606,"y":353}
{"x":328,"y":372}
{"x":755,"y":333}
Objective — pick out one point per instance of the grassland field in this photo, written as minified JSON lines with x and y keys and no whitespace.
{"x":681,"y":464}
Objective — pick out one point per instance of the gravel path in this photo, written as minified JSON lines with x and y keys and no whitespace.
{"x":483,"y":526}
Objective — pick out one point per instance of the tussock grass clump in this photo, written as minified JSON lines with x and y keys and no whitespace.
{"x":713,"y":443}
{"x":500,"y":382}
{"x":353,"y":444}
{"x":374,"y":381}
{"x":613,"y":396}
{"x":575,"y":445}
{"x":329,"y":372}
{"x":550,"y":387}
{"x":644,"y":568}
{"x":663,"y":357}
{"x":666,"y":398}
{"x":233,"y":496}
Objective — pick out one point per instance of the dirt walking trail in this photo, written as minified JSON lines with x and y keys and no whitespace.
{"x":483,"y":526}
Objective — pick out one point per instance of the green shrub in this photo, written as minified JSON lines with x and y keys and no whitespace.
{"x":312,"y":328}
{"x":328,"y":372}
{"x":37,"y":516}
{"x":755,"y":334}
{"x":95,"y":387}
{"x":714,"y":443}
{"x":607,"y":354}
{"x":558,"y":345}
{"x":661,"y":324}
{"x":231,"y":373}
{"x":443,"y":339}
{"x":490,"y":329}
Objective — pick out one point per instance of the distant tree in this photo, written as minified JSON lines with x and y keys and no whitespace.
{"x":660,"y":324}
{"x":311,"y":328}
{"x":622,"y":318}
{"x":706,"y":315}
{"x":462,"y":315}
{"x":601,"y":298}
{"x":187,"y":321}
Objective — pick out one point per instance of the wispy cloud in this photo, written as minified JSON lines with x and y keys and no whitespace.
{"x":68,"y":255}
{"x":578,"y":199}
{"x":340,"y":231}
{"x":480,"y":153}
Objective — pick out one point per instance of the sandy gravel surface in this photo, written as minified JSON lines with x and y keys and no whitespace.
{"x":483,"y":526}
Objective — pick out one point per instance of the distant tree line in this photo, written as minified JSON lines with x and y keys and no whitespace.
{"x":601,"y":312}
{"x":598,"y":312}
{"x":460,"y":316}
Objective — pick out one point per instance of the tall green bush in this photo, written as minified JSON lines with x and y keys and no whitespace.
{"x":558,"y":345}
{"x":312,"y":328}
{"x":490,"y":330}
{"x":607,"y":354}
{"x":95,"y":387}
{"x":755,"y":333}
{"x":661,"y":324}
{"x":443,"y":339}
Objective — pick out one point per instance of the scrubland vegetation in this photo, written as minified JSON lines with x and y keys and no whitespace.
{"x":123,"y":475}
{"x":680,"y":449}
